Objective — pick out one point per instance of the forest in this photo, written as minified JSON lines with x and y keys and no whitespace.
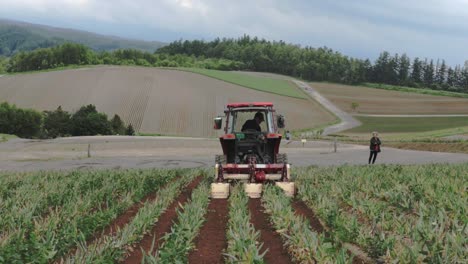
{"x":253,"y":54}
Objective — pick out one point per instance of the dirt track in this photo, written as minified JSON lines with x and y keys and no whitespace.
{"x":167,"y":152}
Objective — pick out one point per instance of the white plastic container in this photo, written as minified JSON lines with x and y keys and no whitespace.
{"x":253,"y":190}
{"x":220,"y":190}
{"x":289,"y":188}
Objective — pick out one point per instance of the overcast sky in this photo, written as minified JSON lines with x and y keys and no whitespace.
{"x":358,"y":28}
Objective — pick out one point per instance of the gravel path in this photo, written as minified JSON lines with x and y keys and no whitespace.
{"x":347,"y":120}
{"x":169,"y":152}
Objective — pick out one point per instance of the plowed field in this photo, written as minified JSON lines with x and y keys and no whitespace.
{"x":153,"y":100}
{"x":378,"y":101}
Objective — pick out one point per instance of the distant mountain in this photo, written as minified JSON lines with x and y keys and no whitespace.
{"x":21,"y":36}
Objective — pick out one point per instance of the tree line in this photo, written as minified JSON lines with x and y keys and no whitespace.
{"x":324,"y":64}
{"x":76,"y":54}
{"x":87,"y":121}
{"x":246,"y":53}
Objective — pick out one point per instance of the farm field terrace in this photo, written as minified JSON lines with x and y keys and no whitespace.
{"x":379,"y":101}
{"x":345,"y":214}
{"x":153,"y":100}
{"x":263,"y":83}
{"x":407,"y":124}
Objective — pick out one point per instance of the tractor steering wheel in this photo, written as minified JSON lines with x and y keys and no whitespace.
{"x":252,"y":133}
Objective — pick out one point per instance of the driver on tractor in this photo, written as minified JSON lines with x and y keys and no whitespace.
{"x":254,"y":124}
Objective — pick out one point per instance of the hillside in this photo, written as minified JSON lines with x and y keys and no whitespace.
{"x":168,"y":102}
{"x":384,"y":102}
{"x":21,"y":36}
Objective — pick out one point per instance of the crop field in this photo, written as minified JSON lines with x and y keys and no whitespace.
{"x":346,"y":214}
{"x":407,"y":124}
{"x":379,"y":101}
{"x":154,"y":101}
{"x":259,"y":82}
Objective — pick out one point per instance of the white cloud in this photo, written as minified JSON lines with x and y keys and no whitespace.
{"x":419,"y":27}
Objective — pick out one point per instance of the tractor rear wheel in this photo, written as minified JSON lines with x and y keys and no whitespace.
{"x":220,"y":159}
{"x":281,"y":158}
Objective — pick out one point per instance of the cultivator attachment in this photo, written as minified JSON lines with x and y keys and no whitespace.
{"x":254,"y":176}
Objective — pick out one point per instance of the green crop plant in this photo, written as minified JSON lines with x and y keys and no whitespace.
{"x":93,"y":200}
{"x":406,"y":213}
{"x":111,"y":248}
{"x":243,"y":246}
{"x":304,"y":245}
{"x":190,"y":218}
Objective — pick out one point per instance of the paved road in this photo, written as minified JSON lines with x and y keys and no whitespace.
{"x":169,"y":152}
{"x":347,"y":120}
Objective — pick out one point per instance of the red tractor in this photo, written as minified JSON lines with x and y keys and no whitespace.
{"x":250,"y":150}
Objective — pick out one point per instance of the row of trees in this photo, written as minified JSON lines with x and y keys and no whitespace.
{"x":77,"y":54}
{"x":400,"y":70}
{"x":324,"y":64}
{"x":87,"y":121}
{"x":246,"y":53}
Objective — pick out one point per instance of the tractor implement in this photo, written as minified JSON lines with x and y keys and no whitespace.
{"x":250,"y":151}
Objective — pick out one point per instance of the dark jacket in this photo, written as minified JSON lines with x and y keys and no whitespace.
{"x":251,"y":124}
{"x":375,"y":144}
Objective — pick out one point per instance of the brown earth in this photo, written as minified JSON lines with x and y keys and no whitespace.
{"x":119,"y":222}
{"x":300,"y":208}
{"x":455,"y":147}
{"x":162,"y":227}
{"x":211,"y":241}
{"x":271,"y":240}
{"x":153,"y":100}
{"x":379,"y":101}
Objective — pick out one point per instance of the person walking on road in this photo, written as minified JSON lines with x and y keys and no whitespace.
{"x":374,"y":147}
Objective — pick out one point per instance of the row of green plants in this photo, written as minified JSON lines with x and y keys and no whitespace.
{"x":112,"y":248}
{"x":243,"y":245}
{"x":190,"y":218}
{"x":86,"y":202}
{"x":87,"y":121}
{"x":399,"y":213}
{"x":303,"y":244}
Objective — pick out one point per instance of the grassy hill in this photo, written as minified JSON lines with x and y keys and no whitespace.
{"x":21,"y":36}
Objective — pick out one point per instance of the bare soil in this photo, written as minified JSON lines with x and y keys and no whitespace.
{"x":455,"y":147}
{"x":121,"y":220}
{"x":379,"y":101}
{"x":271,"y":240}
{"x":211,"y":241}
{"x":162,"y":227}
{"x":150,"y":98}
{"x":300,"y":208}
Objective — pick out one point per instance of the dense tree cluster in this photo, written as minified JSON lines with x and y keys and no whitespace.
{"x":324,"y":64}
{"x":47,"y":58}
{"x":87,"y":121}
{"x":246,"y":53}
{"x":77,"y":54}
{"x":20,"y":122}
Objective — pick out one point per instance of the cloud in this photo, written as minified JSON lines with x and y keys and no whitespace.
{"x":357,"y":28}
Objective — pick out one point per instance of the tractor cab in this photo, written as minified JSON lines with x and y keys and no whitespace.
{"x":250,"y":146}
{"x":250,"y":133}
